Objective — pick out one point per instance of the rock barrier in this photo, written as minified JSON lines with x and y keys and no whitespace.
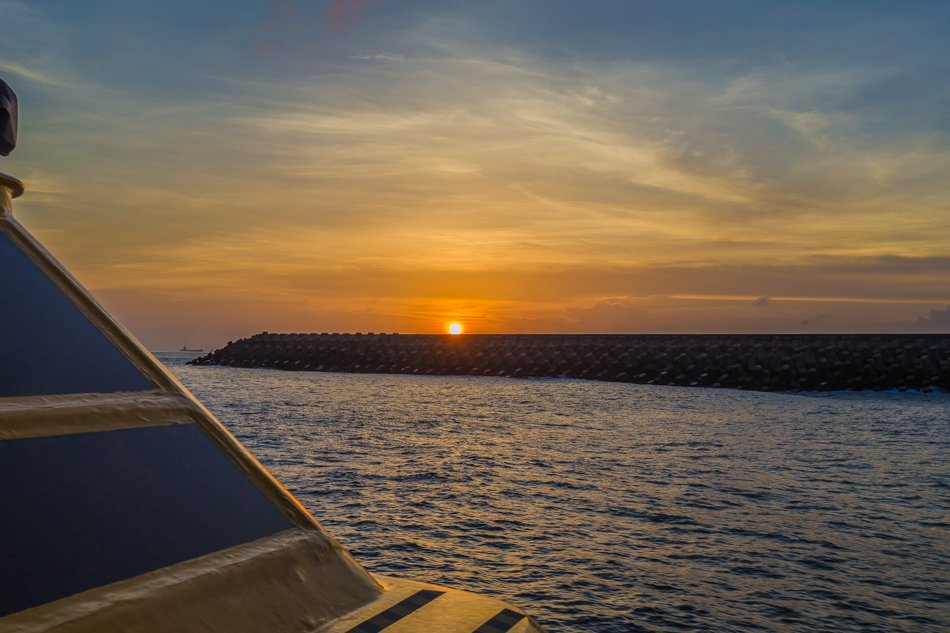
{"x":781,"y":362}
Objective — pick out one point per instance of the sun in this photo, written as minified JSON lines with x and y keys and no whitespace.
{"x":455,"y":329}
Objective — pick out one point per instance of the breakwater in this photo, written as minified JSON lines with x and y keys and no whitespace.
{"x":780,"y":362}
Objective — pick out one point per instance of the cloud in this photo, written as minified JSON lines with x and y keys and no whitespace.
{"x":937,"y":321}
{"x":30,"y":74}
{"x":519,"y":180}
{"x":814,"y":319}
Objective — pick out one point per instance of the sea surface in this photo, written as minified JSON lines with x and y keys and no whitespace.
{"x":618,"y":507}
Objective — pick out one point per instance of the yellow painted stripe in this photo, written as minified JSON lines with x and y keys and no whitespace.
{"x":452,"y":611}
{"x":397,"y":612}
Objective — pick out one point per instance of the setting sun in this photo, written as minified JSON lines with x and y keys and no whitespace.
{"x":455,"y":328}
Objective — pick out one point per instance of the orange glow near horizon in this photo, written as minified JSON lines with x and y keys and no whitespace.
{"x":455,"y":329}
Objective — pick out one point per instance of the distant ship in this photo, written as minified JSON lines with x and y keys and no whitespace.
{"x":184,"y":348}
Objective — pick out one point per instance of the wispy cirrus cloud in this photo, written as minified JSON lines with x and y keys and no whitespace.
{"x":20,"y":71}
{"x":451,"y":159}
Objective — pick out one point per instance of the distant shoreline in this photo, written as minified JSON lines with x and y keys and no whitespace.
{"x":760,"y":362}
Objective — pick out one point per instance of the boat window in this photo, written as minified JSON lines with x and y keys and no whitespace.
{"x":47,"y":345}
{"x":81,"y":511}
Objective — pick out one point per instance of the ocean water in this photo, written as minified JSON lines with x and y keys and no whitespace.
{"x":618,"y":507}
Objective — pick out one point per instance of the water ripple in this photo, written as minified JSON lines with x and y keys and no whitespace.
{"x":616,"y":507}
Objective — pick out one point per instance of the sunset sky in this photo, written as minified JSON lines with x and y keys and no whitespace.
{"x":213,"y":168}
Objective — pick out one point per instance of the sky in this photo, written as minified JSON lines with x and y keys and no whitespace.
{"x":210,"y":169}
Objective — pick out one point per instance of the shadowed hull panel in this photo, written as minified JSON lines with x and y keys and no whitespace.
{"x":90,"y":509}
